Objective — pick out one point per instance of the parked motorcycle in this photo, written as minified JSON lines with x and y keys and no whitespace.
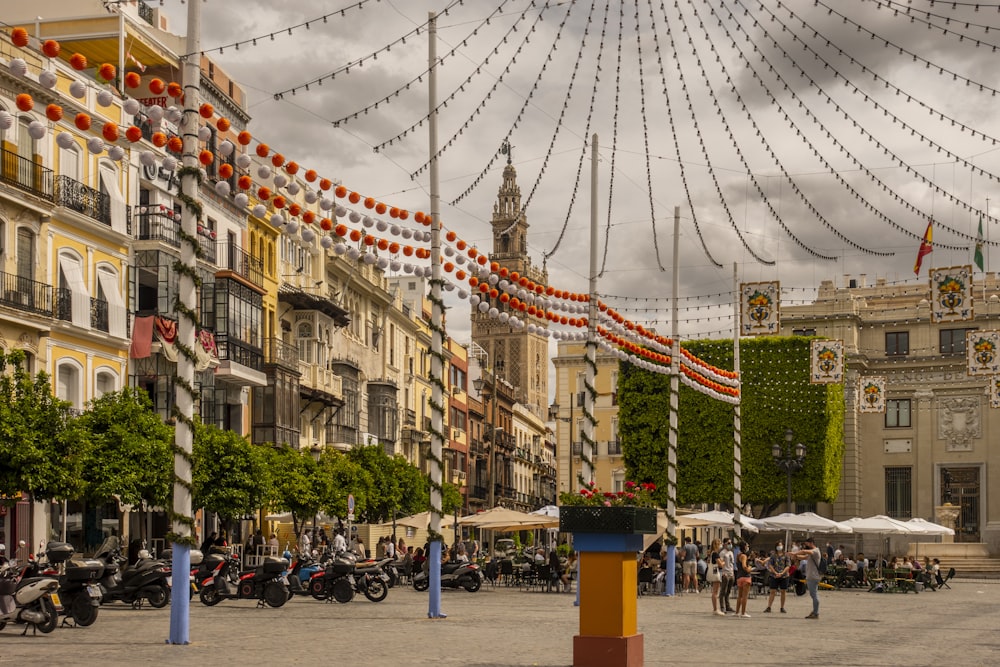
{"x":302,"y":570}
{"x":29,"y":600}
{"x":266,"y":583}
{"x":197,"y":557}
{"x":79,"y":587}
{"x":148,"y":579}
{"x":453,"y":575}
{"x":344,"y":576}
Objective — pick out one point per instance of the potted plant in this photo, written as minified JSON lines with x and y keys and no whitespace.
{"x":631,"y":511}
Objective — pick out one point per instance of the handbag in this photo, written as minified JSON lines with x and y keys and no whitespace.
{"x":713,"y":574}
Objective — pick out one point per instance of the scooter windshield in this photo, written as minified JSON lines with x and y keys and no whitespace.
{"x":108,"y":546}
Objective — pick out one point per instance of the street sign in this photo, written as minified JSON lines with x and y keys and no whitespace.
{"x":350,"y":517}
{"x":350,"y":503}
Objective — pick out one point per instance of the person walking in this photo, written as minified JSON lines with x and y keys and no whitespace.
{"x":811,"y":557}
{"x":728,"y":571}
{"x":689,"y":567}
{"x":714,"y":574}
{"x":778,"y":567}
{"x":743,"y":580}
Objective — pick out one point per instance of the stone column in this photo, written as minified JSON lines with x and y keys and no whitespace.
{"x":947,"y":515}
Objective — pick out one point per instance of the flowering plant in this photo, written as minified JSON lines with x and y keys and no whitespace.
{"x":635,"y":494}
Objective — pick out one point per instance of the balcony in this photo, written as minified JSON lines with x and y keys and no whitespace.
{"x":280,"y":353}
{"x":240,"y":362}
{"x":26,"y":174}
{"x":409,"y":417}
{"x":84,"y":199}
{"x":209,"y":251}
{"x":158,"y":226}
{"x":98,"y":310}
{"x":146,"y":13}
{"x":320,"y":384}
{"x":99,"y":315}
{"x":239,"y":261}
{"x":614,"y":448}
{"x":26,"y":295}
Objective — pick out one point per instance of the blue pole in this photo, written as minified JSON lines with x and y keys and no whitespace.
{"x":434,"y":570}
{"x":180,"y":596}
{"x":670,"y":576}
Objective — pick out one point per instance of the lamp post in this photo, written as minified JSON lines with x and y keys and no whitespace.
{"x":490,"y":432}
{"x":789,"y":458}
{"x":554,"y":412}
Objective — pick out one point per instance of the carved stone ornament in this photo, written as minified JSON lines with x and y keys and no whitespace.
{"x":959,"y":423}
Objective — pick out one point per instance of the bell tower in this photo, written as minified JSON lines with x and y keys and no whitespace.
{"x":525,"y":355}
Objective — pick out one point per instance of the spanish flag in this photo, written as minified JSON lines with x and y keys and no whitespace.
{"x":925,"y":247}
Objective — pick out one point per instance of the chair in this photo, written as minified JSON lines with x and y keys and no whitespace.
{"x":507,"y":572}
{"x":645,"y":578}
{"x":949,"y":576}
{"x":405,"y":570}
{"x":491,"y":572}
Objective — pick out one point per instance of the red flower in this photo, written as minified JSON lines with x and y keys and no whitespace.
{"x":630,"y":484}
{"x":609,"y":494}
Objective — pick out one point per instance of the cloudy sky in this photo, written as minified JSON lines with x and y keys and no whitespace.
{"x":807,"y":140}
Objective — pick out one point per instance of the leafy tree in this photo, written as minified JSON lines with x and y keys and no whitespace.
{"x":230,"y":476}
{"x":451,"y":499}
{"x":776,"y":395}
{"x":339,"y":477}
{"x":131,"y":455}
{"x":294,"y":490}
{"x":42,"y":448}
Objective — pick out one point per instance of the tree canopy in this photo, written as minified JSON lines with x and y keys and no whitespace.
{"x":229,"y":475}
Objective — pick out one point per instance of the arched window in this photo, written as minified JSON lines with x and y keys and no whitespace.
{"x":73,"y":296}
{"x":114,"y":213}
{"x":69,"y":382}
{"x":110,"y":301}
{"x":69,"y":162}
{"x":105,"y":382}
{"x":304,"y":339}
{"x":25,"y":144}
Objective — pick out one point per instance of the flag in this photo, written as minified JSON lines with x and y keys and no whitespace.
{"x":139,"y":65}
{"x":925,"y":247}
{"x":978,"y":257}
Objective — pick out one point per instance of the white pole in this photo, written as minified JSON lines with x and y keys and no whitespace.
{"x":590,"y":422}
{"x":437,"y":333}
{"x":675,"y":387}
{"x":737,"y":443}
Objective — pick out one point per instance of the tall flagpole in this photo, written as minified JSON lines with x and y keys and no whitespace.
{"x":437,"y":331}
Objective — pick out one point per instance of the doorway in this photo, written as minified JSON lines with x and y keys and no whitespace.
{"x":960,"y":486}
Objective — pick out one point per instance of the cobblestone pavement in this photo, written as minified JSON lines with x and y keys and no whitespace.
{"x":504,"y":626}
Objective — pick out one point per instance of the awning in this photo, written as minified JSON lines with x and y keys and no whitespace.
{"x":116,"y":306}
{"x":73,"y":274}
{"x":118,"y":207}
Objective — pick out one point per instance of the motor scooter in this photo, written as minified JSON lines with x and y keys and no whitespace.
{"x":29,"y":600}
{"x":266,"y":583}
{"x":454,"y":574}
{"x":148,"y":579}
{"x":79,"y":587}
{"x":302,"y":570}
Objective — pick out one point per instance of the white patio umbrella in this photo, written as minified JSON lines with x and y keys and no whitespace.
{"x":929,"y":528}
{"x":806,"y":522}
{"x":548,"y":510}
{"x":881,"y":525}
{"x":420,"y":521}
{"x":716,"y":518}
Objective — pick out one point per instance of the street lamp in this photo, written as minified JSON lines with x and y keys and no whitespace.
{"x":789,"y":458}
{"x":490,"y":394}
{"x":554,"y":413}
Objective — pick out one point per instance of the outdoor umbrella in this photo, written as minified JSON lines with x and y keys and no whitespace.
{"x":929,"y":528}
{"x":502,"y":519}
{"x":548,"y":510}
{"x":420,"y":521}
{"x":716,"y":518}
{"x":806,"y":522}
{"x":881,"y":525}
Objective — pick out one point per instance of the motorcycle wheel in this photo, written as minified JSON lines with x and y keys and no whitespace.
{"x":275,"y":594}
{"x":51,"y":615}
{"x":82,"y":611}
{"x":209,"y":595}
{"x":343,"y":591}
{"x":422,"y":584}
{"x":317,"y":589}
{"x":158,"y":597}
{"x":473,"y":585}
{"x":376,"y":590}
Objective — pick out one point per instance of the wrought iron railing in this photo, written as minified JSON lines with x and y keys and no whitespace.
{"x":26,"y":294}
{"x":26,"y":174}
{"x":84,"y":199}
{"x":208,"y":250}
{"x":233,"y":349}
{"x":242,"y":263}
{"x":63,"y":309}
{"x":99,"y":315}
{"x":146,"y":13}
{"x":614,"y":448}
{"x":157,"y":226}
{"x":277,"y":351}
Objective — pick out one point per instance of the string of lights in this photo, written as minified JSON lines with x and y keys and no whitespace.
{"x":252,"y":41}
{"x":479,"y":68}
{"x":677,"y":146}
{"x":614,"y":137}
{"x":829,"y":135}
{"x":898,"y":8}
{"x":895,"y":120}
{"x":765,"y":143}
{"x":645,"y":138}
{"x":359,"y":62}
{"x":586,"y":133}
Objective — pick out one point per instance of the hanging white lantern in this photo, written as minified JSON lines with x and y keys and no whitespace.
{"x":381,"y":225}
{"x":307,"y":234}
{"x":407,"y":268}
{"x":280,"y":180}
{"x":427,"y":236}
{"x":204,"y":133}
{"x":78,"y":90}
{"x":395,"y":266}
{"x":173,"y":114}
{"x":354,"y":217}
{"x":326,"y":203}
{"x":367,"y":222}
{"x":494,"y":312}
{"x":383,"y":263}
{"x":48,"y":78}
{"x":222,"y":188}
{"x":146,"y":157}
{"x":311,"y":196}
{"x":394,"y":230}
{"x":531,"y":328}
{"x":243,"y":161}
{"x":339,"y":211}
{"x":406,"y":232}
{"x":474,"y":300}
{"x":36,"y":130}
{"x":155,"y":112}
{"x":493,"y":279}
{"x":131,"y":106}
{"x":263,"y":172}
{"x":353,"y":253}
{"x":18,"y":67}
{"x":291,"y":227}
{"x":449,"y":251}
{"x":503,"y":284}
{"x":503,"y":317}
{"x":449,"y":287}
{"x":226,"y":148}
{"x":104,"y":97}
{"x":259,"y":211}
{"x":339,"y":249}
{"x":326,"y":242}
{"x":116,"y":153}
{"x":241,"y":200}
{"x":483,"y":307}
{"x":169,"y":163}
{"x":293,"y":188}
{"x":459,"y":259}
{"x":95,"y":145}
{"x":463,"y":294}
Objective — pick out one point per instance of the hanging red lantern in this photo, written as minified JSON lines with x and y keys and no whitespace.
{"x":156,"y":86}
{"x":369,"y":240}
{"x":159,"y":139}
{"x":176,"y":144}
{"x":418,"y":216}
{"x":54,"y":112}
{"x":326,"y":224}
{"x":295,"y":210}
{"x":19,"y":36}
{"x":340,"y":191}
{"x":448,"y":267}
{"x":340,"y":230}
{"x":82,"y":122}
{"x":460,"y":275}
{"x":51,"y":48}
{"x":110,"y":132}
{"x":292,"y":168}
{"x":277,"y":159}
{"x":407,"y":250}
{"x":78,"y":61}
{"x":311,"y":175}
{"x":404,"y":214}
{"x":244,"y":182}
{"x":325,"y":184}
{"x":24,"y":102}
{"x":225,"y":170}
{"x":393,"y":212}
{"x":355,"y":235}
{"x":263,"y":193}
{"x":308,"y":217}
{"x":106,"y":71}
{"x":393,"y":247}
{"x":244,"y":138}
{"x":263,"y":150}
{"x":279,"y":202}
{"x":354,"y":197}
{"x":382,"y":244}
{"x":461,"y":245}
{"x":133,"y":134}
{"x":175,"y":89}
{"x":380,"y":208}
{"x":206,"y":157}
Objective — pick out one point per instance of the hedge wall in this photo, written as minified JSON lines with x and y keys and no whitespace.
{"x":776,"y":395}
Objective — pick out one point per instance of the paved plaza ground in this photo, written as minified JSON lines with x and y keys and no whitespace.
{"x":504,"y":626}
